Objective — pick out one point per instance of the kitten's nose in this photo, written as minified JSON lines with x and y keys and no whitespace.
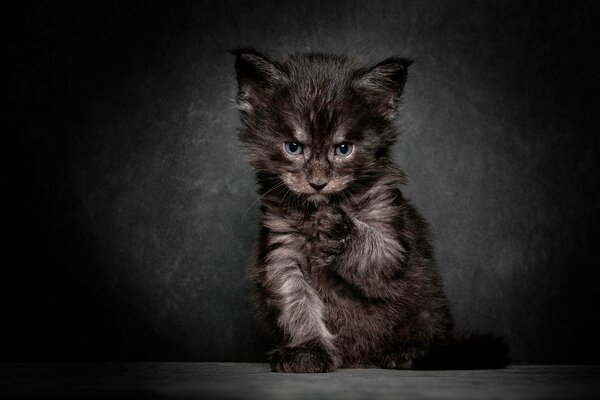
{"x":318,"y":186}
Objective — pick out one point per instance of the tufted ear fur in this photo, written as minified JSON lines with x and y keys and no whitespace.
{"x":256,"y":74}
{"x":384,"y":82}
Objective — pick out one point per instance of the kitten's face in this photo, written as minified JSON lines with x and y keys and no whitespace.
{"x":319,"y":124}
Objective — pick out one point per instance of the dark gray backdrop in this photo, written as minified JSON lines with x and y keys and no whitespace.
{"x":132,"y":212}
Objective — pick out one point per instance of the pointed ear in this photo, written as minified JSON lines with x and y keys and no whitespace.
{"x":384,"y":82}
{"x":255,"y":74}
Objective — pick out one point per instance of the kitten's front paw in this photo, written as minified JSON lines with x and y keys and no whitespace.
{"x":397,"y":359}
{"x":332,"y":230}
{"x":332,"y":223}
{"x":301,"y":359}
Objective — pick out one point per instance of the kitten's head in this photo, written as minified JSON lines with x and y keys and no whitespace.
{"x":318,"y":124}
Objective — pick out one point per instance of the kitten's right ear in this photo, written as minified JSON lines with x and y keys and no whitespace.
{"x":384,"y":83}
{"x":255,"y":74}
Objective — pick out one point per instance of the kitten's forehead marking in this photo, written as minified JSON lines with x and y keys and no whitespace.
{"x":339,"y":135}
{"x":300,"y":134}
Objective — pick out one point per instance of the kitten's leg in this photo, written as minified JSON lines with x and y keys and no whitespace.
{"x":367,"y":254}
{"x":309,"y":346}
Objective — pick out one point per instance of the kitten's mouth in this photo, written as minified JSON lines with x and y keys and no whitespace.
{"x":301,"y":187}
{"x":318,"y":197}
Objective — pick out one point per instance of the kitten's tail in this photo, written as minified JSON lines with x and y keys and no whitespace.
{"x":471,"y":352}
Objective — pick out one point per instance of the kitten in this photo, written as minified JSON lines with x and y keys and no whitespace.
{"x":344,"y":273}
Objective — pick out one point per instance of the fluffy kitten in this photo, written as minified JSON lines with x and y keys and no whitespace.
{"x":344,"y":274}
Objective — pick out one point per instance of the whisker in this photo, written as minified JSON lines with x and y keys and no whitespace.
{"x":260,"y":197}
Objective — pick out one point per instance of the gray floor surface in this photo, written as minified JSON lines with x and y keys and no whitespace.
{"x":255,"y":381}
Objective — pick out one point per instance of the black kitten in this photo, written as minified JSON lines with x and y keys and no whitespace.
{"x":344,"y":274}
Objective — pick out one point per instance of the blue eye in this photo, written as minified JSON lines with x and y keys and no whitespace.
{"x":344,"y":149}
{"x":293,"y":148}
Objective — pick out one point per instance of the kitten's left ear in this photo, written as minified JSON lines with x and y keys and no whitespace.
{"x":256,"y":73}
{"x":384,"y":82}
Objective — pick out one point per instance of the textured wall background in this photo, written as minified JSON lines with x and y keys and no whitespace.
{"x":132,"y":213}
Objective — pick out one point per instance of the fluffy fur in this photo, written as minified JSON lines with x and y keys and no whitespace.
{"x":344,"y":274}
